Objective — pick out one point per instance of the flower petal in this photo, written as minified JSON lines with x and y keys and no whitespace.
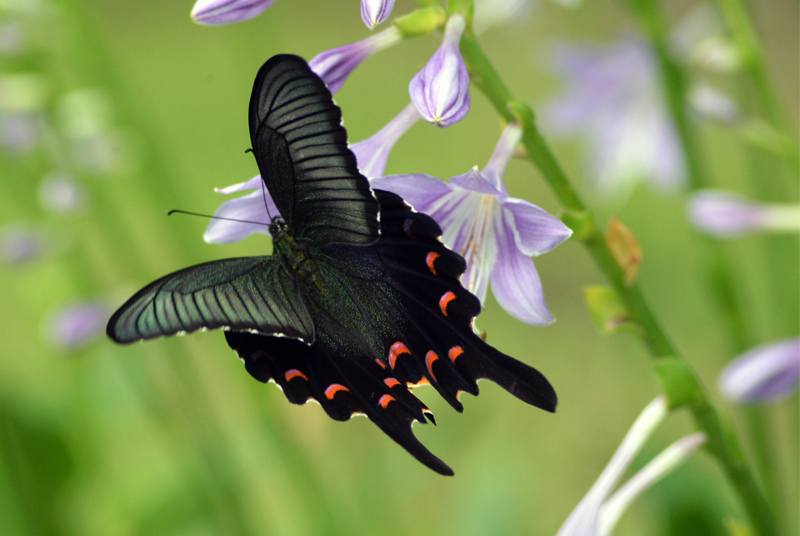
{"x":763,"y":374}
{"x":372,"y":153}
{"x":375,"y":12}
{"x":515,"y":283}
{"x":583,"y":519}
{"x":440,"y":91}
{"x":475,"y":181}
{"x":419,"y":190}
{"x":216,"y":12}
{"x":77,"y":324}
{"x":249,"y":208}
{"x":535,"y":231}
{"x":253,"y":184}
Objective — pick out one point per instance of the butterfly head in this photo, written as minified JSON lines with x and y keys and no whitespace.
{"x":277,"y":228}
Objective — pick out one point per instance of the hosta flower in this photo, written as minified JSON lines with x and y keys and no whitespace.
{"x":375,"y":12}
{"x":495,"y":233}
{"x":216,"y":12}
{"x":335,"y":65}
{"x":727,"y":214}
{"x":763,"y":374}
{"x":250,"y":209}
{"x":440,"y":91}
{"x":612,"y":98}
{"x":77,"y":324}
{"x":598,"y":511}
{"x":373,"y":152}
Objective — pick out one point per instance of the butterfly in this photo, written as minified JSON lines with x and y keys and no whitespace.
{"x":359,"y":301}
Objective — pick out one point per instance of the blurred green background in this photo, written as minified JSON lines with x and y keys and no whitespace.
{"x":174,"y":437}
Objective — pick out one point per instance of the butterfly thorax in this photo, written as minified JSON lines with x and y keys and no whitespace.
{"x":293,"y":255}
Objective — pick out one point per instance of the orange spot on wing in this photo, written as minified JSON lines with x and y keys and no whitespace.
{"x":422,"y":381}
{"x":294,"y":373}
{"x":384,"y":401}
{"x":429,"y":260}
{"x":430,"y":358}
{"x":395,"y":351}
{"x":333,"y":389}
{"x":454,"y":352}
{"x":378,"y":361}
{"x":445,"y":300}
{"x":391,"y":382}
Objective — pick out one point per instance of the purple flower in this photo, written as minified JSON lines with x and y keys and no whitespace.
{"x":250,"y":209}
{"x":77,"y":324}
{"x":20,"y":244}
{"x":763,"y":374}
{"x":373,"y":152}
{"x":612,"y":98}
{"x":599,"y":510}
{"x":335,"y":65}
{"x":440,"y":91}
{"x":727,"y":214}
{"x":216,"y":12}
{"x":495,"y":233}
{"x":375,"y":12}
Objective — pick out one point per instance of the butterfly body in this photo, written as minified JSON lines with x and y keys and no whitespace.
{"x":360,"y":299}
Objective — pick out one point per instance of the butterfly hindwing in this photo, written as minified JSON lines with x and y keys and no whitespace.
{"x":342,"y":387}
{"x":248,"y":294}
{"x":301,"y":149}
{"x":408,"y":281}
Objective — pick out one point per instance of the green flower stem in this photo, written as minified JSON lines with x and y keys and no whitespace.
{"x":687,"y":390}
{"x":654,"y":24}
{"x":752,"y":57}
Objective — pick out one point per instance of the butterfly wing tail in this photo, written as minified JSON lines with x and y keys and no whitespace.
{"x":342,"y":387}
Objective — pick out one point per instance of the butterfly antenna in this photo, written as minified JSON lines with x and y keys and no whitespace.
{"x":177,"y":211}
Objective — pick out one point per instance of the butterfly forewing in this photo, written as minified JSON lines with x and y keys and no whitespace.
{"x":250,"y":294}
{"x":301,"y":149}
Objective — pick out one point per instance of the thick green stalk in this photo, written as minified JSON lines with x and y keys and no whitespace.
{"x":686,"y":388}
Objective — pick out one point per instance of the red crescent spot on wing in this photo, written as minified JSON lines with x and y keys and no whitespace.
{"x":391,"y":382}
{"x":430,"y":358}
{"x":333,"y":389}
{"x":378,"y":361}
{"x":429,"y":260}
{"x":395,"y":351}
{"x":422,"y":381}
{"x":384,"y":401}
{"x":445,"y":300}
{"x":294,"y":373}
{"x":454,"y":352}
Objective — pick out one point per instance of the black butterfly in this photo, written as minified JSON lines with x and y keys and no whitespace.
{"x":359,"y":301}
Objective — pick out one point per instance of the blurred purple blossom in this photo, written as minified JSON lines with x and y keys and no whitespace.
{"x":727,"y":214}
{"x":20,"y":131}
{"x":612,"y":98}
{"x":375,"y":12}
{"x":373,"y":152}
{"x":763,"y":374}
{"x":440,"y":91}
{"x":495,"y":233}
{"x":216,"y":12}
{"x":335,"y":65}
{"x":20,"y":244}
{"x":75,"y":325}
